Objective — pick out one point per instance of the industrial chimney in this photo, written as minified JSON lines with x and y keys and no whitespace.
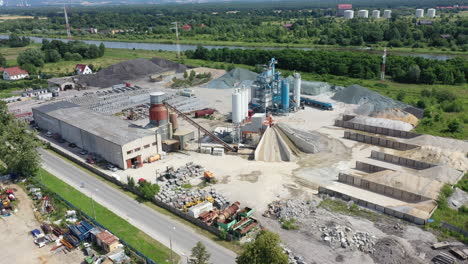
{"x":157,"y":112}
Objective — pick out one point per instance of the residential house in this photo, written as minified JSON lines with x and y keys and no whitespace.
{"x":288,"y":26}
{"x":14,"y":73}
{"x":82,"y":69}
{"x":187,"y":27}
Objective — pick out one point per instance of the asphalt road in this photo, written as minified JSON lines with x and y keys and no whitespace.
{"x":159,"y":226}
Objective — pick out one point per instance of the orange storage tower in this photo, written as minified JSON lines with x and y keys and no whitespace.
{"x":158,"y":112}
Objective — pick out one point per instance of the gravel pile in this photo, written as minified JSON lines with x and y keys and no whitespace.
{"x":345,"y":237}
{"x":382,"y":122}
{"x":129,"y":70}
{"x":232,"y":79}
{"x":177,"y":198}
{"x":288,"y":209}
{"x":293,"y":259}
{"x":458,"y":199}
{"x":306,"y":141}
{"x":440,"y":142}
{"x":368,"y":101}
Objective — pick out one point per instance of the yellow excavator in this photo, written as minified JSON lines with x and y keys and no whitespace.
{"x":195,"y":202}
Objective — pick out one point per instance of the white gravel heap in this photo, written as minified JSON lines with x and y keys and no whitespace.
{"x":345,"y":237}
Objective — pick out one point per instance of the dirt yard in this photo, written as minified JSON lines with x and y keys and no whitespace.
{"x":19,"y":241}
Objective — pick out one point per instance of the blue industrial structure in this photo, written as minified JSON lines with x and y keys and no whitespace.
{"x":271,"y":92}
{"x":318,"y":104}
{"x":81,"y":230}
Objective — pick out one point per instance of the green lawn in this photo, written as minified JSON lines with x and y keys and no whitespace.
{"x":132,"y":235}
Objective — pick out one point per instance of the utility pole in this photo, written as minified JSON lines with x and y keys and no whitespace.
{"x":384,"y":58}
{"x":66,"y":23}
{"x":176,"y":27}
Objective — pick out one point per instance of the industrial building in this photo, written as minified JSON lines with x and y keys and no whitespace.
{"x":342,"y":8}
{"x":110,"y":138}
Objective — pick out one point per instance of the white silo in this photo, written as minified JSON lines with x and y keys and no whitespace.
{"x":431,"y":12}
{"x":297,"y":89}
{"x":245,"y":107}
{"x":387,"y":13}
{"x":419,"y":13}
{"x":236,"y":107}
{"x":376,"y":13}
{"x":348,"y":14}
{"x":363,"y":13}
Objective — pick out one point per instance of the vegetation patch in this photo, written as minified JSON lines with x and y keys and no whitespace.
{"x":289,"y":224}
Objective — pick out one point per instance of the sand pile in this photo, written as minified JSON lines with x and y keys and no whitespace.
{"x":129,"y":70}
{"x":441,"y":142}
{"x":231,"y":79}
{"x":306,"y":141}
{"x":442,"y":173}
{"x":397,"y":114}
{"x":437,"y":155}
{"x":382,"y":122}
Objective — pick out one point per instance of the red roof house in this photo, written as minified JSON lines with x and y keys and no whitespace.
{"x":14,"y":73}
{"x":187,"y":27}
{"x":82,"y":69}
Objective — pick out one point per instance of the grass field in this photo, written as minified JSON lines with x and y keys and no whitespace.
{"x":132,"y":235}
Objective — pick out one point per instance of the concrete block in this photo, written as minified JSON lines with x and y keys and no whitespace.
{"x":357,"y":181}
{"x":395,"y":160}
{"x":388,"y":191}
{"x":375,"y":141}
{"x":379,"y":130}
{"x":360,"y":137}
{"x":398,"y":214}
{"x":379,"y":208}
{"x":381,"y":188}
{"x":389,"y":211}
{"x":397,"y":193}
{"x":371,"y":206}
{"x":372,"y":186}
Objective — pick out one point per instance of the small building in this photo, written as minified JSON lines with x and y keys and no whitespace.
{"x":82,"y":69}
{"x":187,"y":27}
{"x":288,"y":26}
{"x":14,"y":73}
{"x":34,"y":93}
{"x":93,"y":30}
{"x":107,"y":241}
{"x":63,"y":84}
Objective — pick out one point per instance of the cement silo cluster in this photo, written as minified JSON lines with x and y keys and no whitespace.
{"x":387,"y":13}
{"x":363,"y":13}
{"x":419,"y":13}
{"x":348,"y":14}
{"x":376,"y":13}
{"x":240,"y":105}
{"x":431,"y":12}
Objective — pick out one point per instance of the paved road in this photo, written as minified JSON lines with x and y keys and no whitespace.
{"x":159,"y":226}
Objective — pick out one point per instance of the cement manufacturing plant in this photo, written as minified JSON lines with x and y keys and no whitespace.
{"x":245,"y":151}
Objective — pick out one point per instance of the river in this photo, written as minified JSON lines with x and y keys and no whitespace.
{"x":173,"y":47}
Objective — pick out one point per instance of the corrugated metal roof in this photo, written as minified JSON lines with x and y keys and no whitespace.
{"x":109,"y":128}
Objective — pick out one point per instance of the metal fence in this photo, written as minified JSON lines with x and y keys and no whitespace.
{"x":454,"y":228}
{"x":96,"y":223}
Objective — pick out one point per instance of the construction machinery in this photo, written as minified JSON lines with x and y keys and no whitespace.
{"x":208,"y":176}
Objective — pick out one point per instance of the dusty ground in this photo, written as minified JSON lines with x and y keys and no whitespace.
{"x":21,"y":248}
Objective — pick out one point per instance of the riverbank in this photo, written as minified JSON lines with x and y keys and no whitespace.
{"x":186,"y":44}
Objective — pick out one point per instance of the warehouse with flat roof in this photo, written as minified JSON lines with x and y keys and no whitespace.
{"x":111,"y":138}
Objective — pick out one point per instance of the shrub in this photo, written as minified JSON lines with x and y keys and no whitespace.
{"x":289,"y":224}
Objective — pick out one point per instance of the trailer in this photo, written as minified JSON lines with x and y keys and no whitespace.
{"x":317,"y":104}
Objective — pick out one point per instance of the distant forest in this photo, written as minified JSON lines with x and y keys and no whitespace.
{"x":311,"y":23}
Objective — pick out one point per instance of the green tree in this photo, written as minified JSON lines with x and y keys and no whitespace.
{"x":192,"y":75}
{"x":2,"y":61}
{"x":264,"y":250}
{"x":149,"y":190}
{"x":199,"y":254}
{"x":414,"y":73}
{"x":17,"y":145}
{"x":31,"y":56}
{"x":401,"y":95}
{"x":52,"y":55}
{"x":31,"y":69}
{"x":92,"y":52}
{"x":185,"y":74}
{"x":102,"y":49}
{"x":455,"y":126}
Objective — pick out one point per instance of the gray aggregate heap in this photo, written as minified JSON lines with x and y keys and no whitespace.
{"x":288,"y":209}
{"x":345,"y":237}
{"x":293,"y":259}
{"x":232,"y":79}
{"x":368,"y":100}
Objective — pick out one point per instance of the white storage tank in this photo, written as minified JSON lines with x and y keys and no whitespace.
{"x":196,"y":210}
{"x":387,"y":13}
{"x":376,"y":13}
{"x":297,"y":89}
{"x":348,"y":14}
{"x":236,"y":107}
{"x":363,"y":13}
{"x":431,"y":12}
{"x":245,"y":107}
{"x":419,"y":13}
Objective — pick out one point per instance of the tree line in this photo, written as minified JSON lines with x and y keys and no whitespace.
{"x":345,"y":63}
{"x":56,"y":50}
{"x":255,"y":25}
